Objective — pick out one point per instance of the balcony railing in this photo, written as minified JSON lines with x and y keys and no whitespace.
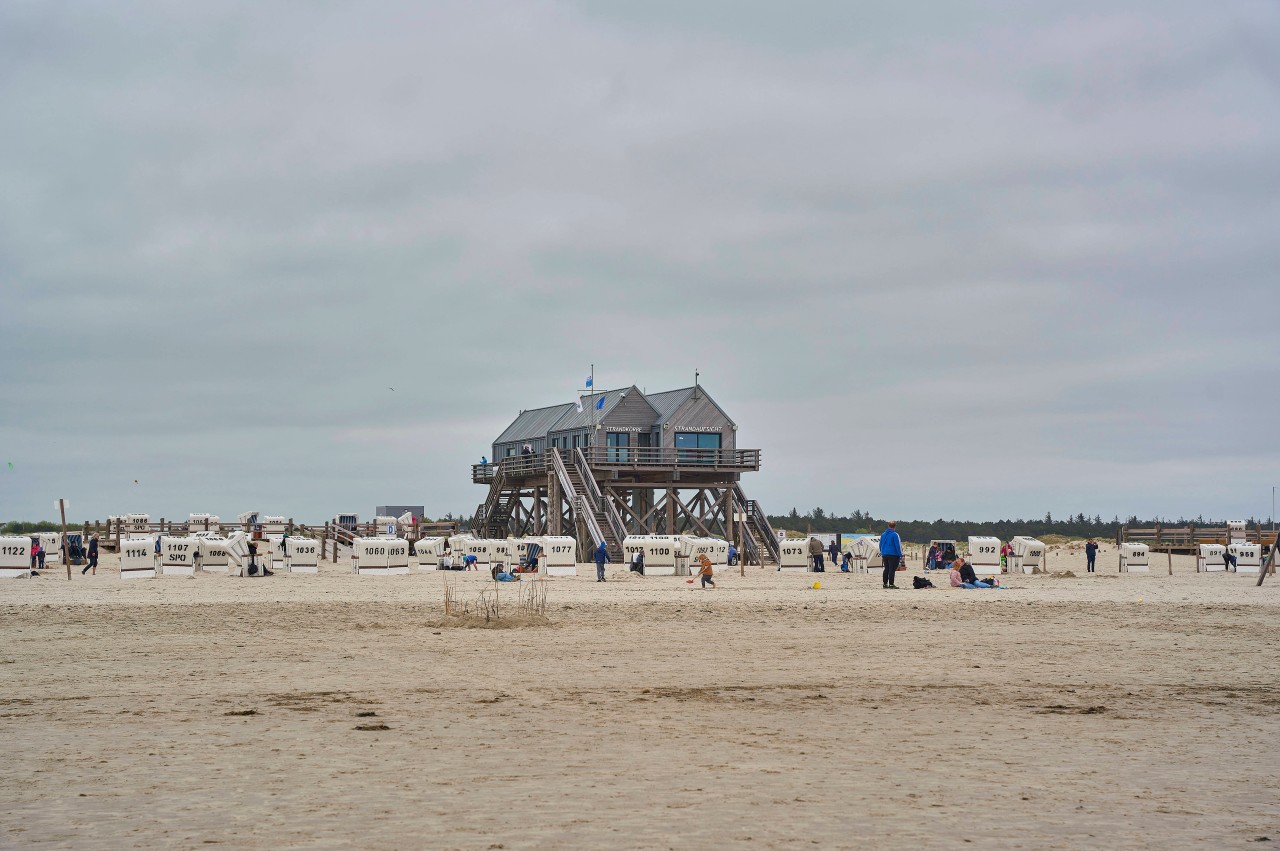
{"x":640,"y":457}
{"x":628,"y":458}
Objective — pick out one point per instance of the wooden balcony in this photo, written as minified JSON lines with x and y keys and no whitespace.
{"x":633,"y":460}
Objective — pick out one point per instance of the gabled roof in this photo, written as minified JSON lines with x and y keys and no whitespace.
{"x":540,"y":422}
{"x":575,"y":420}
{"x":534,"y":424}
{"x":670,"y":401}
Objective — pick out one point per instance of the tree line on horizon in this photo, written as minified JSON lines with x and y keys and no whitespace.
{"x":922,"y":531}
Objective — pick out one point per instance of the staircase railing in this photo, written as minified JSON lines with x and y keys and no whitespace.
{"x":486,"y":511}
{"x":757,"y":522}
{"x":596,"y":498}
{"x":760,"y":521}
{"x":580,"y":511}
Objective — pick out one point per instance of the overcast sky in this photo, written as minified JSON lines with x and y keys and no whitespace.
{"x":966,"y":260}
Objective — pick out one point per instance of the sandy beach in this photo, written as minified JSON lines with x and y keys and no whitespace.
{"x":1104,"y":710}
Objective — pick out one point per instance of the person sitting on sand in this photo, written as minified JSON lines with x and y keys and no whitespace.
{"x":501,"y":575}
{"x":968,"y":575}
{"x":706,"y":570}
{"x":844,"y":563}
{"x":962,"y":575}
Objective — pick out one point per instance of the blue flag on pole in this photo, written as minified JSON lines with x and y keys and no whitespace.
{"x":588,"y":380}
{"x":600,"y":404}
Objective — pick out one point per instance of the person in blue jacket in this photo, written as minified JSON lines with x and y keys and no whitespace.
{"x":602,"y":556}
{"x":890,"y":553}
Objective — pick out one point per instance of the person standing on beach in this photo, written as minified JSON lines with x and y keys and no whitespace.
{"x":815,"y":554}
{"x":833,"y":550}
{"x":1091,"y":553}
{"x":602,"y":556}
{"x":890,"y":553}
{"x":93,"y":557}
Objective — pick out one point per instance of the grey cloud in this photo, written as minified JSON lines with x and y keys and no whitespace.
{"x":968,"y":259}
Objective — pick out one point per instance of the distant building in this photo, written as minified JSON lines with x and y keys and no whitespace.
{"x":619,"y":463}
{"x":686,"y":419}
{"x":418,"y":511}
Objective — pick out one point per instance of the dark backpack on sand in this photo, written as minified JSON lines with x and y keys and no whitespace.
{"x":920,"y":582}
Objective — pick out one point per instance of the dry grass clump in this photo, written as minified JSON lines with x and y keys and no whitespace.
{"x":493,"y":610}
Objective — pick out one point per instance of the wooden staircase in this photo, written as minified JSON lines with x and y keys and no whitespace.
{"x":761,"y":544}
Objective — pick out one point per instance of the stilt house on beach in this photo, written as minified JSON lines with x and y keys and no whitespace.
{"x":623,"y":462}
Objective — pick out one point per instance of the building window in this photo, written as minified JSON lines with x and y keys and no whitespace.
{"x":616,"y":444}
{"x":696,"y":447}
